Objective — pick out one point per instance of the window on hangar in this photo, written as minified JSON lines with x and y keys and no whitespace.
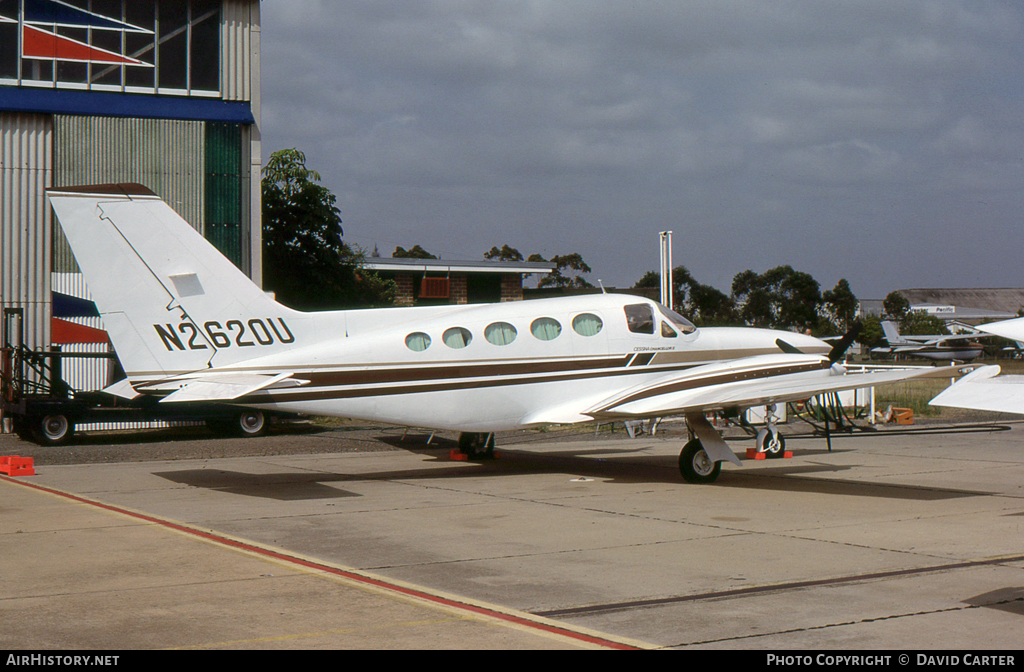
{"x":130,"y":46}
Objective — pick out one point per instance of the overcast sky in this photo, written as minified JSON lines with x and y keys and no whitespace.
{"x":874,"y":140}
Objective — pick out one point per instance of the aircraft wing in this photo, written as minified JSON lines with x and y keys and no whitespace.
{"x":752,"y":381}
{"x":983,"y":391}
{"x":1011,"y":329}
{"x":219,"y":386}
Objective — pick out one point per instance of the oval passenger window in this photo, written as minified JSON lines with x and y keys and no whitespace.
{"x":546,"y":328}
{"x":587,"y":324}
{"x":457,"y":337}
{"x":417,"y":342}
{"x":500,"y":333}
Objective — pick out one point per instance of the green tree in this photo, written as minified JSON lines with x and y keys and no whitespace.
{"x":682,"y":281}
{"x":568,"y":273}
{"x":506,"y":253}
{"x":709,"y":306}
{"x":305,"y":261}
{"x":703,"y":304}
{"x":895,"y":306}
{"x":871,"y":333}
{"x":922,"y":324}
{"x":839,"y":305}
{"x":416,"y":252}
{"x":780,"y":298}
{"x":650,"y":280}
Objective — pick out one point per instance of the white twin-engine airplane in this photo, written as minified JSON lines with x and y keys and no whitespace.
{"x":187,"y":325}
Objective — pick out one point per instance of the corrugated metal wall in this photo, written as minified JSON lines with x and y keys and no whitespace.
{"x":169,"y":156}
{"x":165,"y":155}
{"x":224,"y":189}
{"x":236,"y":49}
{"x":26,"y":148}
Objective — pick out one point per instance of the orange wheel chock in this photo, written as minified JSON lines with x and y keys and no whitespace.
{"x":13,"y":465}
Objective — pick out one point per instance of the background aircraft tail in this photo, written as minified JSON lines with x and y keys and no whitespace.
{"x":892,"y":334}
{"x":170,"y":301}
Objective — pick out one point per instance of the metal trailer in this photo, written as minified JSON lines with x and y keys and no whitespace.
{"x":39,"y":406}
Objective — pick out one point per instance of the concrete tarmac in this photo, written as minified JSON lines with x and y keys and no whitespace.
{"x":894,"y":540}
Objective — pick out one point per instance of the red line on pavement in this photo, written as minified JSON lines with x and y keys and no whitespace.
{"x":352,"y":576}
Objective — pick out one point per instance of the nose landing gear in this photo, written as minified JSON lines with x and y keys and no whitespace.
{"x":477,"y":445}
{"x":769,"y":440}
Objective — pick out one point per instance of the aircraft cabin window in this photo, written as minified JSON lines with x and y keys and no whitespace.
{"x":500,"y":333}
{"x":457,"y":337}
{"x":640,"y":318}
{"x":417,"y":342}
{"x":680,"y":322}
{"x":545,"y":328}
{"x":587,"y":324}
{"x":667,"y":331}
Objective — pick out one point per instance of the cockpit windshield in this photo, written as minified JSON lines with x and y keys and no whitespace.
{"x":640,"y":318}
{"x":681,"y":323}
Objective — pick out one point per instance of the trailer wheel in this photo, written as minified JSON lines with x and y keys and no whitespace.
{"x":54,"y":430}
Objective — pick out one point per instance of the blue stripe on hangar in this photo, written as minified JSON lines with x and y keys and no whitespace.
{"x":107,"y":104}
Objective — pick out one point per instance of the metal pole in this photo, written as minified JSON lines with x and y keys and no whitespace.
{"x":666,"y":268}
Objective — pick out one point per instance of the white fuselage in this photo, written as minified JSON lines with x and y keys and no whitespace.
{"x":495,"y":366}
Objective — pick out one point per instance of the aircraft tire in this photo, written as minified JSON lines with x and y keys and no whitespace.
{"x":773,"y":450}
{"x":695,"y":465}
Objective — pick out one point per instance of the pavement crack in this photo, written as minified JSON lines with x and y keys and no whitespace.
{"x":843,"y":624}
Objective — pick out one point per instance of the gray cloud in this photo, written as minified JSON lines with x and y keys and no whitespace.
{"x":872,"y":140}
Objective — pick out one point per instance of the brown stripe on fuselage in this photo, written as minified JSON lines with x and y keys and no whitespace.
{"x":689,"y":356}
{"x":467,"y":370}
{"x":307,"y":394}
{"x":720,"y":379}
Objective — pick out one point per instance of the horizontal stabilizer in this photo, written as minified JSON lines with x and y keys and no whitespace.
{"x":983,"y":390}
{"x":122,"y":389}
{"x":224,"y":387}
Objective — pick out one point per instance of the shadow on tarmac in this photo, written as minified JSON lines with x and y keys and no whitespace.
{"x":622,"y":465}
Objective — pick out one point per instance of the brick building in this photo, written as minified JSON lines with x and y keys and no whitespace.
{"x":432,"y":282}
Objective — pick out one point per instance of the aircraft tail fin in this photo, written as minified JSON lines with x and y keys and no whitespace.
{"x":170,"y":301}
{"x":892,"y":333}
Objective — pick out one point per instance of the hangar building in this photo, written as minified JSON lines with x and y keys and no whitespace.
{"x":161,"y":92}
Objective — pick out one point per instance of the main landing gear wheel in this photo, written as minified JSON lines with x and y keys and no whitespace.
{"x":695,"y":464}
{"x":771,"y":443}
{"x":477,"y":445}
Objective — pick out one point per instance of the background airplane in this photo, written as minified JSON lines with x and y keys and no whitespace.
{"x":936,"y":347}
{"x":188,"y":325}
{"x":985,"y":389}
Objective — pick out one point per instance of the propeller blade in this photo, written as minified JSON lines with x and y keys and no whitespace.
{"x":840,"y":348}
{"x":787,"y":348}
